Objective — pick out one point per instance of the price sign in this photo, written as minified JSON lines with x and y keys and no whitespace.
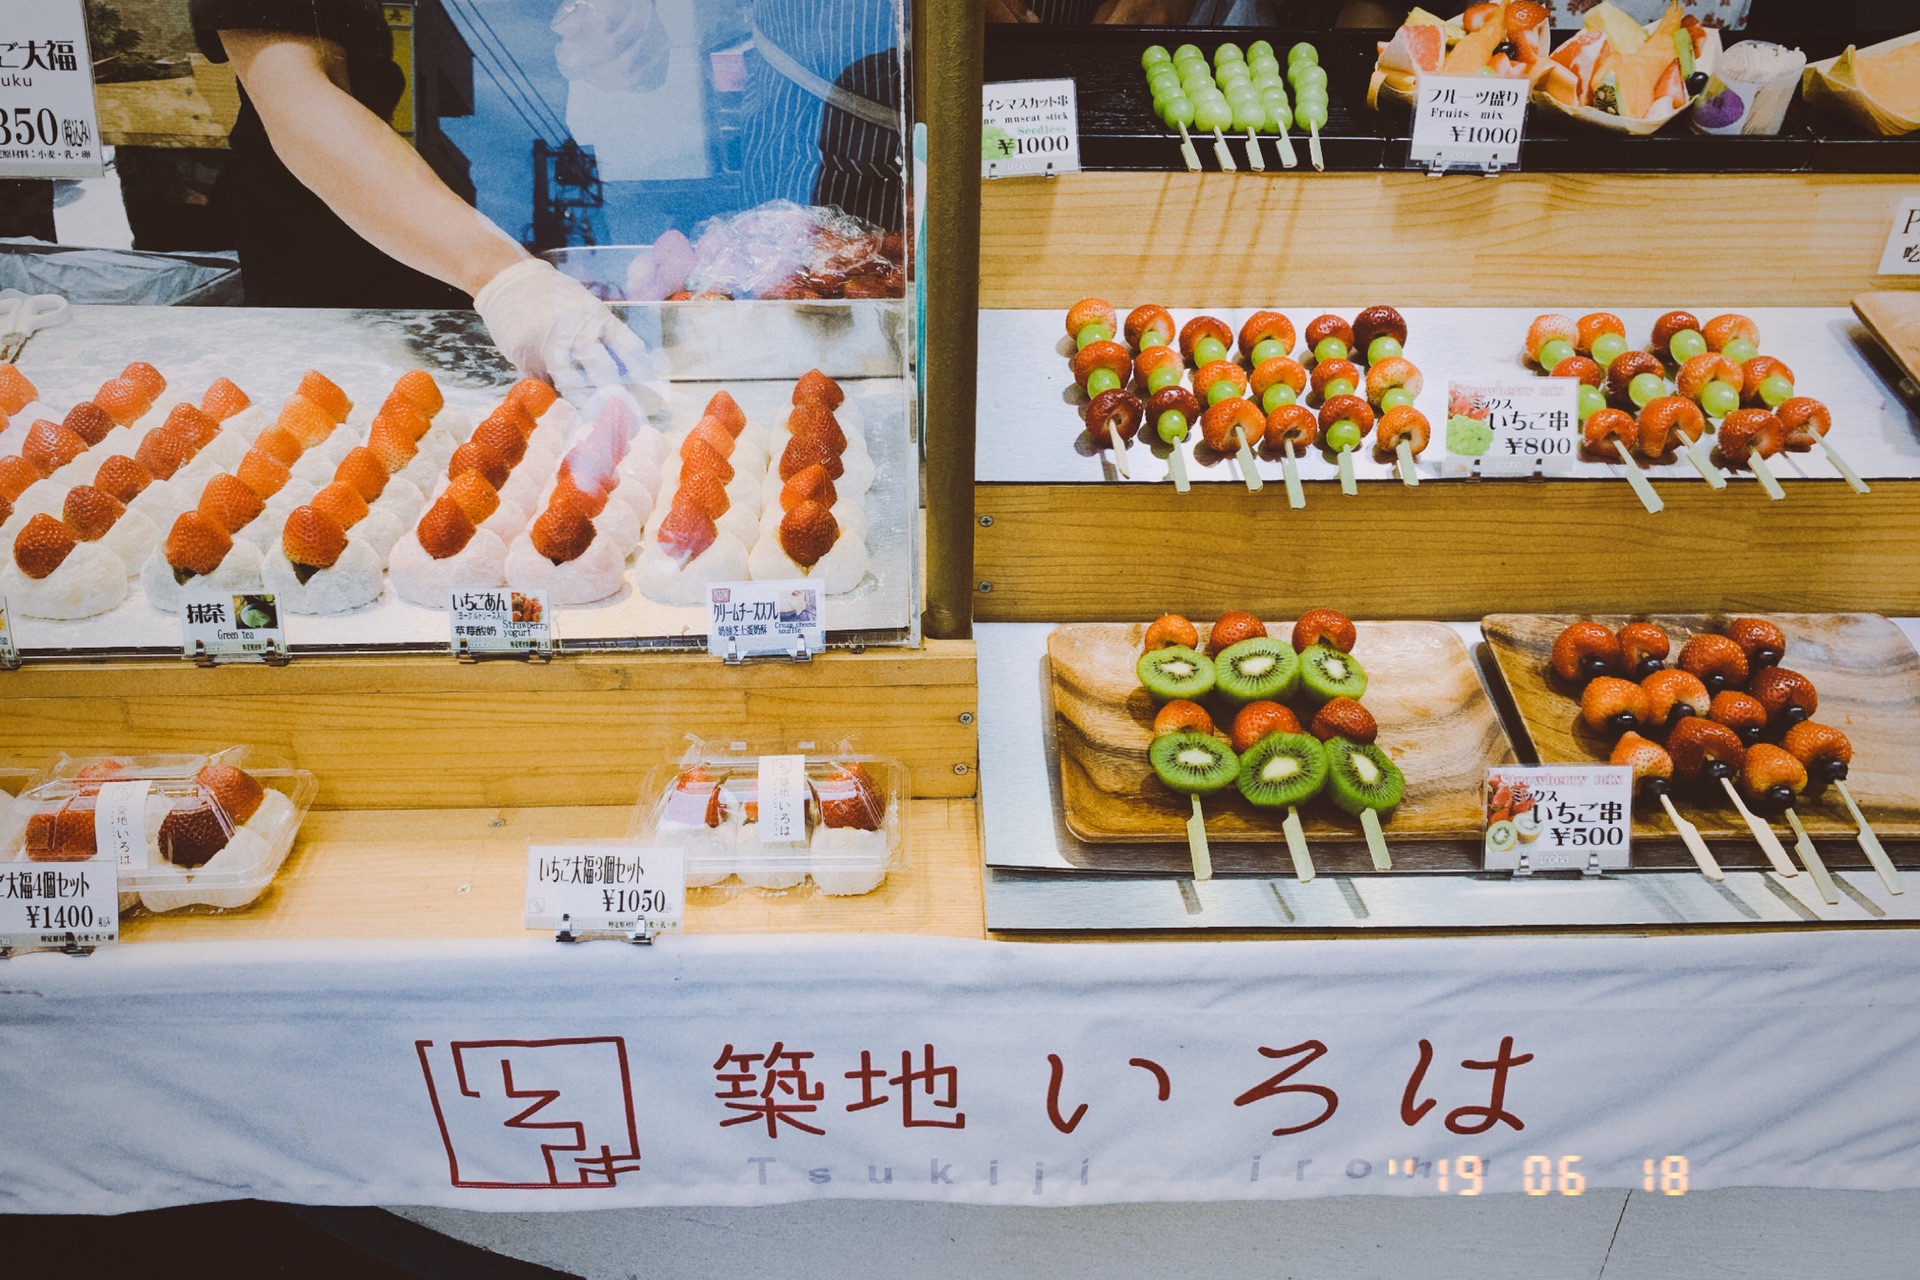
{"x":230,"y":626}
{"x":1559,"y":818}
{"x":1029,"y":127}
{"x":759,"y":619}
{"x":1902,"y":254}
{"x":1467,"y":122}
{"x":48,"y":126}
{"x":59,"y":904}
{"x":499,"y":620}
{"x":1513,"y":430}
{"x":9,"y":651}
{"x":120,"y":822}
{"x":605,"y":886}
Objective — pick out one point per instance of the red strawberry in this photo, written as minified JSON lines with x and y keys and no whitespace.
{"x":64,"y":835}
{"x":363,"y":471}
{"x":405,"y":416}
{"x":561,"y":533}
{"x":477,"y":456}
{"x":223,"y":400}
{"x":89,"y":421}
{"x":685,"y":532}
{"x":849,"y":798}
{"x":514,"y":416}
{"x":196,"y":544}
{"x":588,"y":503}
{"x":281,"y":445}
{"x":6,"y":510}
{"x":712,"y":434}
{"x":50,"y":446}
{"x":802,"y":453}
{"x":812,"y":484}
{"x":229,"y":503}
{"x":122,"y":477}
{"x":699,"y":456}
{"x":533,"y":396}
{"x":342,"y":503}
{"x":124,"y":401}
{"x":389,"y":442}
{"x":472,"y":494}
{"x":42,"y":546}
{"x":193,"y":831}
{"x":162,"y":453}
{"x":417,"y":387}
{"x":144,"y":376}
{"x":17,"y":475}
{"x":703,"y":491}
{"x":816,"y":387}
{"x":445,"y":529}
{"x":811,"y":422}
{"x":1327,"y":626}
{"x":305,"y":421}
{"x":500,"y":435}
{"x":16,"y":392}
{"x":589,"y":471}
{"x":90,"y":512}
{"x":312,"y":538}
{"x":191,"y":424}
{"x":727,"y":412}
{"x":807,"y":533}
{"x":322,"y":390}
{"x":1344,"y":718}
{"x":263,"y":473}
{"x":237,"y":792}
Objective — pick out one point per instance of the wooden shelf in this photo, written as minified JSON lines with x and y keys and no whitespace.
{"x":432,"y":733}
{"x":1090,"y":552}
{"x":462,"y":873}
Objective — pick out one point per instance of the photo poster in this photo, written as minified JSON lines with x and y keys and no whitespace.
{"x":653,"y":149}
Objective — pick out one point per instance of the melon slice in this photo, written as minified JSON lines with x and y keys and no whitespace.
{"x":1582,"y":56}
{"x":1616,"y":24}
{"x":1475,"y":51}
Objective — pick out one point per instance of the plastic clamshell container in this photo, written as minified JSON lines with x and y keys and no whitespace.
{"x":708,"y":805}
{"x":213,"y":843}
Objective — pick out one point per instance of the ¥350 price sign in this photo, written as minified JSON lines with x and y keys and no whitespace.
{"x":48,"y":125}
{"x":1559,"y":818}
{"x":1468,"y":122}
{"x":1513,"y":430}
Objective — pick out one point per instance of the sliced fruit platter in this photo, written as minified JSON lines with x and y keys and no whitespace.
{"x":1293,"y":733}
{"x":1723,"y":736}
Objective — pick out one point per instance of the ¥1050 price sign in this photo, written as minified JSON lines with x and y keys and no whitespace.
{"x":606,"y":886}
{"x":1559,"y":818}
{"x":1513,"y":430}
{"x":1467,"y":122}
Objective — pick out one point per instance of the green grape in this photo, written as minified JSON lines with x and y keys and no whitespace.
{"x":1344,"y":434}
{"x":1095,"y":332}
{"x":1485,"y":71}
{"x":1330,"y":348}
{"x":1686,"y":344}
{"x":1646,"y":388}
{"x":1188,"y":52}
{"x":1276,"y":395}
{"x":1739,"y":350}
{"x":1249,"y":116}
{"x":1102,"y":379}
{"x":1303,"y":52}
{"x":1197,"y":84}
{"x":1161,"y":79}
{"x":1394,"y":397}
{"x":1172,"y":426}
{"x":1162,"y":377}
{"x":1265,"y":81}
{"x":1608,"y":347}
{"x":1279,"y":114}
{"x":1305,"y":74}
{"x":1264,"y":68}
{"x":1310,"y":112}
{"x":1554,"y":351}
{"x":1337,"y":387}
{"x":1240,"y":93}
{"x":1155,"y":55}
{"x":1384,"y":347}
{"x":1152,"y":338}
{"x":1719,"y":399}
{"x":1228,"y":52}
{"x":1267,"y":349}
{"x":1177,"y":112}
{"x":1259,"y":49}
{"x":1590,"y":400}
{"x":1207,"y":350}
{"x":1221,"y":390}
{"x":1775,"y":390}
{"x":1229,"y":76}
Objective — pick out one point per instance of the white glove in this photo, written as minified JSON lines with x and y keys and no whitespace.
{"x":550,"y":326}
{"x":617,"y":45}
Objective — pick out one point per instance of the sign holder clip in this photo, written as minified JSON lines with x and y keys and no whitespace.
{"x":641,"y":937}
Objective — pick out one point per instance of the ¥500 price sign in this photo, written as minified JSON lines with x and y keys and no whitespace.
{"x":1559,"y":818}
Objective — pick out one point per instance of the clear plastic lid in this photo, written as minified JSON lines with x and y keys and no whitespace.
{"x":779,"y":818}
{"x":207,"y":831}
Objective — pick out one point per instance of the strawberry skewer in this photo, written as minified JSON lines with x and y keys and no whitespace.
{"x":1807,"y":422}
{"x":1826,"y":754}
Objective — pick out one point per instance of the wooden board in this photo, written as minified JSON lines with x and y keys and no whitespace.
{"x":1435,"y":721}
{"x":1867,"y":676}
{"x":462,"y":873}
{"x":1894,"y":320}
{"x":159,"y":113}
{"x":425,"y":732}
{"x":1071,"y":553}
{"x":1226,"y":240}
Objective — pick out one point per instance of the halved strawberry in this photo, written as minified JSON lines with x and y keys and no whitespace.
{"x":391,"y":445}
{"x":589,"y":470}
{"x":703,"y":491}
{"x":1344,"y":718}
{"x":363,"y":471}
{"x":16,"y":392}
{"x":323,"y":391}
{"x":237,"y":792}
{"x":193,"y":831}
{"x":685,"y":532}
{"x":50,"y":446}
{"x":280,"y":444}
{"x":514,"y":415}
{"x":803,"y":453}
{"x":90,"y":422}
{"x":712,"y":434}
{"x":406,"y":416}
{"x":1258,"y":719}
{"x":1231,"y":628}
{"x":6,"y":510}
{"x":727,"y":412}
{"x":124,"y":401}
{"x":561,"y":534}
{"x":196,"y":544}
{"x":223,"y":400}
{"x":312,"y":538}
{"x":342,"y":503}
{"x":500,"y":435}
{"x":42,"y":546}
{"x":807,"y":533}
{"x":144,"y":376}
{"x":473,"y":495}
{"x":17,"y":475}
{"x":445,"y":529}
{"x":122,"y":477}
{"x":191,"y":424}
{"x":699,"y":457}
{"x":1324,"y":626}
{"x":91,"y":511}
{"x":588,"y":502}
{"x":811,"y":422}
{"x":263,"y":473}
{"x":229,"y":502}
{"x":812,"y":484}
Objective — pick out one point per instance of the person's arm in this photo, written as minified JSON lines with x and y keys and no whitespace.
{"x":355,"y":162}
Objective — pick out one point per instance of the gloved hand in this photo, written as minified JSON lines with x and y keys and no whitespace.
{"x":550,"y":326}
{"x":617,"y":45}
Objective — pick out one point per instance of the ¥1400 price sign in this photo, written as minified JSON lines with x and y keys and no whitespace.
{"x":59,"y":904}
{"x":1559,"y":818}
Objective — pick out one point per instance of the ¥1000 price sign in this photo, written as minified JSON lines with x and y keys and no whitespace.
{"x":1467,"y":122}
{"x":1029,"y":127}
{"x":1559,"y":818}
{"x":1514,"y":430}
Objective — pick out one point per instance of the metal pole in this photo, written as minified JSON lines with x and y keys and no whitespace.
{"x":949,"y":47}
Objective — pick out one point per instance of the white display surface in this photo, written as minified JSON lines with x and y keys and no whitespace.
{"x":1030,"y":430}
{"x":392,"y":1073}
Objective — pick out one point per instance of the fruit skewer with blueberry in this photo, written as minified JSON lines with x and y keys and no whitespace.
{"x":1826,"y":753}
{"x":1652,"y":777}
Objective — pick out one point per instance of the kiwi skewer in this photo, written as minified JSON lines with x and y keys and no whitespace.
{"x":1286,"y":770}
{"x":1195,"y":764}
{"x":1365,"y":782}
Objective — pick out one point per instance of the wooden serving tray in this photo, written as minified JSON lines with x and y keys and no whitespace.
{"x":1867,"y":676}
{"x":1435,"y":721}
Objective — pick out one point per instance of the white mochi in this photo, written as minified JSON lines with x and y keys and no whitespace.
{"x":420,"y":579}
{"x":91,"y":580}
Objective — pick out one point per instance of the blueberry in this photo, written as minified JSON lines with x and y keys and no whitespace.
{"x":1696,"y":83}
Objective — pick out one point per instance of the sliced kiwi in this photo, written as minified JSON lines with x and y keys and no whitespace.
{"x":1256,"y":669}
{"x":1527,"y":823}
{"x":1194,"y":763}
{"x":1283,"y":769}
{"x":1362,"y":777}
{"x":1175,"y":672}
{"x":1502,"y":836}
{"x":1326,"y":674}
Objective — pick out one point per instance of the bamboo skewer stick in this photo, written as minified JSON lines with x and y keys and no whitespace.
{"x":1810,"y":857}
{"x":1769,"y":842}
{"x":1247,"y":470}
{"x":1290,"y":472}
{"x":1638,"y":479}
{"x":1197,"y":843}
{"x":1690,"y":837}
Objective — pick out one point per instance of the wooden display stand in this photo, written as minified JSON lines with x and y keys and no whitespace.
{"x":1069,"y":552}
{"x":434,"y":774}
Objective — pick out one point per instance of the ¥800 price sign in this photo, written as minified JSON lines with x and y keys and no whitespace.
{"x":1513,"y":430}
{"x":1559,"y":818}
